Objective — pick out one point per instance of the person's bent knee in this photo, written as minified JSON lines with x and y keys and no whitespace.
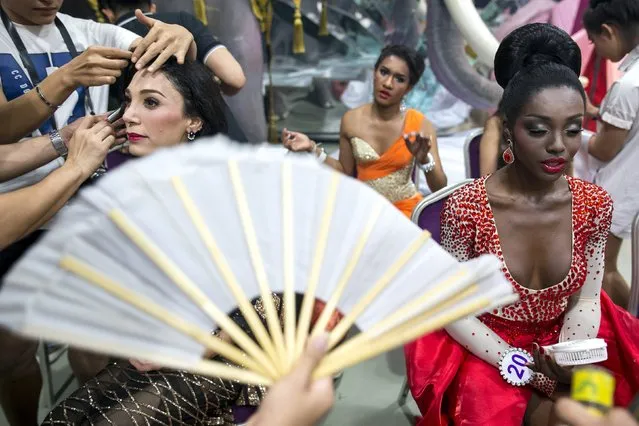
{"x":18,"y":355}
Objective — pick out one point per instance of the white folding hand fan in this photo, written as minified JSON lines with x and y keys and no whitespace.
{"x":152,"y":259}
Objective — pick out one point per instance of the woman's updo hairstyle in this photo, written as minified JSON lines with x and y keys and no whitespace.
{"x":533,"y":58}
{"x":622,"y":13}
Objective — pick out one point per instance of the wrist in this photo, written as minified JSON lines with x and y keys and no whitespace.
{"x":429,"y":165}
{"x":58,"y":86}
{"x":320,"y":153}
{"x":66,"y":80}
{"x":76,"y":171}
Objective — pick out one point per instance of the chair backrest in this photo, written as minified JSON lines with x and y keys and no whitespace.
{"x":633,"y":307}
{"x":427,"y":212}
{"x":471,"y":153}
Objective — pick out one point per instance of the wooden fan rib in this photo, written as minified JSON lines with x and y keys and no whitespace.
{"x":277,"y":348}
{"x":308,"y":302}
{"x":144,"y":304}
{"x":289,"y":263}
{"x":396,"y":337}
{"x":354,"y":258}
{"x":227,"y":372}
{"x":199,"y":298}
{"x":428,"y":298}
{"x":224,"y":268}
{"x":347,"y":322}
{"x":368,"y":336}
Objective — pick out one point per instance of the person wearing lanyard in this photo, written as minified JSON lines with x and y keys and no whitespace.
{"x":613,"y":27}
{"x":34,"y":42}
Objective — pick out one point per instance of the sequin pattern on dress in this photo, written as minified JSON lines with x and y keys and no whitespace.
{"x":468,"y":230}
{"x":396,"y":185}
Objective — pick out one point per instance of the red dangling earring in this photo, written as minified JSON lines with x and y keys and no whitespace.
{"x":508,"y":155}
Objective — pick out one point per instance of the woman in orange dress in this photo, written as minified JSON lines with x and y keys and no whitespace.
{"x":381,"y":144}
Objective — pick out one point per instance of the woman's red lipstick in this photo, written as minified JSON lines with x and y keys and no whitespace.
{"x":384,"y":94}
{"x":134,"y":137}
{"x":553,"y":165}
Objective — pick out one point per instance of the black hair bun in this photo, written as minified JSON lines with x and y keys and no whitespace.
{"x":535,"y":45}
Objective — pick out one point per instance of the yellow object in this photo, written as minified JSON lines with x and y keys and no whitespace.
{"x":263,"y":11}
{"x":199,"y":7}
{"x":323,"y":30}
{"x":298,"y":29}
{"x":594,"y":387}
{"x":96,"y":9}
{"x":470,"y":52}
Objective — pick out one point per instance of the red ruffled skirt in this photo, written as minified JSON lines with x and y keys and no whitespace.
{"x":452,"y":386}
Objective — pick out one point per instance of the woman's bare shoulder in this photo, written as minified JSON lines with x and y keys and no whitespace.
{"x":353,"y":118}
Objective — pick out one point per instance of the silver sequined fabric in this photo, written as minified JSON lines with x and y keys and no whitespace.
{"x":121,"y":395}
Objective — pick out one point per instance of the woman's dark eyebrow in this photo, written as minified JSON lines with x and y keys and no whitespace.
{"x":153,"y":91}
{"x":546,"y":118}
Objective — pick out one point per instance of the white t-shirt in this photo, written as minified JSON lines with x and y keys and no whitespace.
{"x":48,"y":51}
{"x":620,"y":176}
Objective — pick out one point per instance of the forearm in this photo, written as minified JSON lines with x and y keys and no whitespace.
{"x":25,"y":210}
{"x":479,"y":339}
{"x":582,"y":320}
{"x":27,"y":112}
{"x":598,"y":148}
{"x":334,"y":164}
{"x":227,"y":70}
{"x":436,"y":179}
{"x":595,"y":150}
{"x":25,"y":156}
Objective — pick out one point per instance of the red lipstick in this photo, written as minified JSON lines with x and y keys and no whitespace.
{"x":134,"y":137}
{"x":553,"y":165}
{"x":384,"y":94}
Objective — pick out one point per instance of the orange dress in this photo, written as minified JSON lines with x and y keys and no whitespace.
{"x":390,"y":173}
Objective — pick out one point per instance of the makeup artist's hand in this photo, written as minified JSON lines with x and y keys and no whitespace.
{"x":572,"y":413}
{"x":89,"y":145}
{"x":418,"y":145}
{"x":297,"y":400}
{"x":162,"y":42}
{"x":95,"y":66}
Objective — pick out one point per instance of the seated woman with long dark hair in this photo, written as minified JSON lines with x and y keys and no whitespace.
{"x":163,"y":109}
{"x":549,"y":231}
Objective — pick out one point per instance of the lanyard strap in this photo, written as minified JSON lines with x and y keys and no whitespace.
{"x":28,"y":64}
{"x":74,"y":53}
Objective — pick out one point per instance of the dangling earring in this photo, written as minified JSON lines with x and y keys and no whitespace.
{"x":508,"y":155}
{"x":190,"y":135}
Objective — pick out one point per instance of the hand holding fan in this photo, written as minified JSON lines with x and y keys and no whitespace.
{"x":151,"y":260}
